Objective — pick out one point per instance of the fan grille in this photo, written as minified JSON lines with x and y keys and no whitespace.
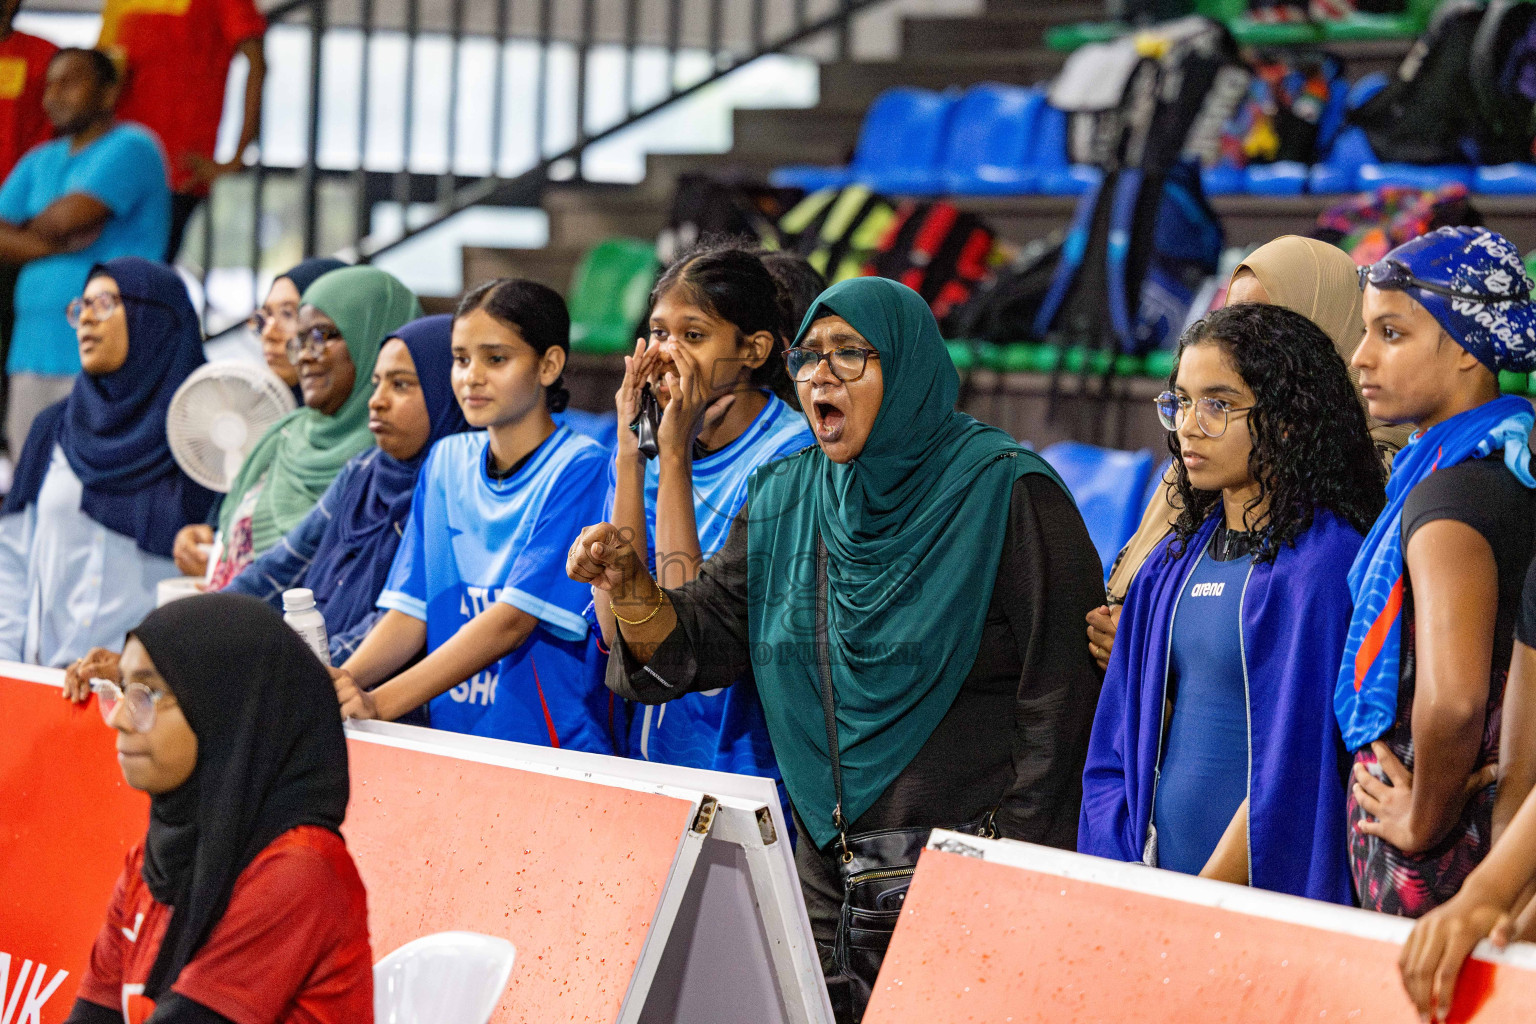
{"x":249,"y":392}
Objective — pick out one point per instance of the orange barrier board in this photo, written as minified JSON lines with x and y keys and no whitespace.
{"x":569,"y":871}
{"x":67,"y":820}
{"x":1004,"y":931}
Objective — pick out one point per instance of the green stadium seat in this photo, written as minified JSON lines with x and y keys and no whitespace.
{"x":1382,"y":26}
{"x":609,"y":294}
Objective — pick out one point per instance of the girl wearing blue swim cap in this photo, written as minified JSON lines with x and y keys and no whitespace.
{"x":1437,"y":583}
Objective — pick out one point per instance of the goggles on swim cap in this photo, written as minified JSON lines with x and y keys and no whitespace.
{"x":1394,"y":275}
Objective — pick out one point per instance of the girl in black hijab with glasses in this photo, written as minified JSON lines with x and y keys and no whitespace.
{"x":242,"y":904}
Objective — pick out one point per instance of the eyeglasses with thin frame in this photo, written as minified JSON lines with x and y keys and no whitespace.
{"x":1210,"y":413}
{"x":103,"y":305}
{"x":140,"y":699}
{"x":1394,"y":275}
{"x":847,"y":364}
{"x":311,"y":342}
{"x":286,"y":318}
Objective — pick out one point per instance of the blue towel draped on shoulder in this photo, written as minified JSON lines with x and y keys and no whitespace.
{"x":1295,"y":614}
{"x":1365,"y":694}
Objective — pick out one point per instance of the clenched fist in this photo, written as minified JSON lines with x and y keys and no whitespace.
{"x":603,"y":557}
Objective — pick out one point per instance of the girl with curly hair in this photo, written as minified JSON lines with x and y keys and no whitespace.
{"x":1214,"y":750}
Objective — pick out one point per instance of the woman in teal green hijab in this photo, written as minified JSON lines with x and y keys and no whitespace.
{"x":343,"y":319}
{"x":957,"y":570}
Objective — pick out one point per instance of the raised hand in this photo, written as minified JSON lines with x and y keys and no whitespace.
{"x":603,"y":557}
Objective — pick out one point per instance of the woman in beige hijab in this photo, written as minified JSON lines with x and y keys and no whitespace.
{"x":1310,"y":277}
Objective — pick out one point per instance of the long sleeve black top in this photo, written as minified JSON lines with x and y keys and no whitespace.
{"x":1017,"y":734}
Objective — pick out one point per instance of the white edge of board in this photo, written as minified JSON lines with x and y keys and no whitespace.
{"x":1241,"y":899}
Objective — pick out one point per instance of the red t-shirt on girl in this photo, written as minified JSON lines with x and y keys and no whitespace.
{"x":292,"y":947}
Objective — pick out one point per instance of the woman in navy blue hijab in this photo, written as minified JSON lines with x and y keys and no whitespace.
{"x":87,"y":528}
{"x":343,"y":549}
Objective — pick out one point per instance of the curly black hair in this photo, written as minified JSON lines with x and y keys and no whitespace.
{"x":1312,"y":446}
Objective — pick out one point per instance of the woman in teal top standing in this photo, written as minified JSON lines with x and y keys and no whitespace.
{"x":957,"y":571}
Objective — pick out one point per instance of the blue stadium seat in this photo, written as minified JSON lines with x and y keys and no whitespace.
{"x":1058,"y":177}
{"x":1425,"y":177}
{"x":1505,"y":179}
{"x":1281,"y":178}
{"x":1340,"y":170}
{"x":1223,"y":180}
{"x":898,"y":149}
{"x":602,"y":427}
{"x":1155,"y":482}
{"x":989,"y":148}
{"x":1110,"y":489}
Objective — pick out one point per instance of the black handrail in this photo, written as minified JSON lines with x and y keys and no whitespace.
{"x":452,"y":194}
{"x":482,"y":191}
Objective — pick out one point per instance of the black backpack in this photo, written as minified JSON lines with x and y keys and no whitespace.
{"x":1145,"y":232}
{"x":1003,"y":308}
{"x":937,"y":250}
{"x":705,"y":206}
{"x":1503,"y":55}
{"x":837,"y":230}
{"x":1424,"y":116}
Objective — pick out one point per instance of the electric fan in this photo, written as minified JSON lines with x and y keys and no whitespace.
{"x":217,"y":416}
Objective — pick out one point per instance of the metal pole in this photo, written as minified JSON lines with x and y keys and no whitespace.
{"x":310,"y":178}
{"x":408,"y":129}
{"x":541,"y":83}
{"x":498,"y":84}
{"x":674,"y":41}
{"x":631,"y":42}
{"x":583,"y":51}
{"x":362,"y":215}
{"x":207,"y":234}
{"x":716,"y":30}
{"x":445,"y":183}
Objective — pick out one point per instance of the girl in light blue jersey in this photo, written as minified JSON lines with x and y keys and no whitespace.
{"x":714,"y":361}
{"x":479,"y":577}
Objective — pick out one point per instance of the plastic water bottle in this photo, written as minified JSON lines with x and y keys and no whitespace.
{"x":300,"y":613}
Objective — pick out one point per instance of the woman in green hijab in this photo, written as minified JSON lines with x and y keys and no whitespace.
{"x":956,"y":572}
{"x":344,"y":318}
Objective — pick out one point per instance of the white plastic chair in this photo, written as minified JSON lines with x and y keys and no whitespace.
{"x":447,"y":978}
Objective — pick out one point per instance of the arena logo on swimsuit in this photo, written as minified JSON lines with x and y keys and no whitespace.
{"x":479,"y":688}
{"x":31,"y":1001}
{"x":1207,"y":589}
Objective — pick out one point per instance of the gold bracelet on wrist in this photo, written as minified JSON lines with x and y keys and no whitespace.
{"x":661,"y":599}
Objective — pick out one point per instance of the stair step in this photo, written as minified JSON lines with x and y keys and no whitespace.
{"x":549,"y":266}
{"x":580,"y":216}
{"x":812,"y":135}
{"x":1249,"y":220}
{"x":1013,"y":30}
{"x":1056,"y":12}
{"x":853,"y":85}
{"x":662,"y":170}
